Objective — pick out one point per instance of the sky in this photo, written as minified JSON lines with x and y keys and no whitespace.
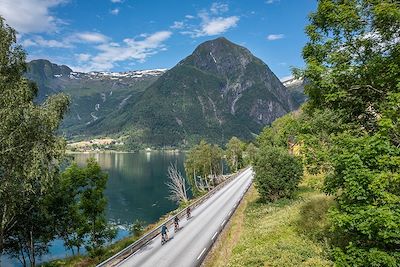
{"x":122,"y":35}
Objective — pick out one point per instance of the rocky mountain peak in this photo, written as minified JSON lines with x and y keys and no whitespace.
{"x":220,"y":56}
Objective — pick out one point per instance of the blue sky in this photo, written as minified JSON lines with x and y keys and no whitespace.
{"x":120,"y":35}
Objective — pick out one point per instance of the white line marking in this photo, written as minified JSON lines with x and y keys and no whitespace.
{"x":223,"y":223}
{"x":204,"y":249}
{"x":214,"y":235}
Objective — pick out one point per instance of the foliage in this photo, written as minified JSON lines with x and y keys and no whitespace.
{"x":277,"y":173}
{"x":353,"y":70}
{"x":31,"y":236}
{"x":366,"y":183}
{"x":281,"y":133}
{"x":30,"y":154}
{"x":93,"y":204}
{"x":137,"y":228}
{"x":203,"y":163}
{"x":249,"y":154}
{"x":352,"y":57}
{"x":314,"y":135}
{"x":78,"y":204}
{"x":234,"y":154}
{"x":73,"y":225}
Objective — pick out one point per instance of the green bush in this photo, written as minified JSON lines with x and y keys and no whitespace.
{"x":277,"y":173}
{"x":366,"y":185}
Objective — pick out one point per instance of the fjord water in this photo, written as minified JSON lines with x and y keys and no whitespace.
{"x":136,"y":186}
{"x":136,"y":189}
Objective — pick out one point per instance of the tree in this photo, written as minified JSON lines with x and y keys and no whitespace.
{"x":234,"y":153}
{"x":277,"y":173}
{"x":72,"y":224}
{"x":30,"y":151}
{"x":352,"y":66}
{"x":177,"y":185}
{"x":250,"y":154}
{"x":93,"y":204}
{"x":366,"y":185}
{"x":352,"y":57}
{"x":282,"y":132}
{"x":80,"y":203}
{"x":203,"y":163}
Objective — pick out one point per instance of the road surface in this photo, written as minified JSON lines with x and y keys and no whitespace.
{"x":189,"y":245}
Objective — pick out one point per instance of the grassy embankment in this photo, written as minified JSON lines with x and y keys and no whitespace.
{"x":285,"y":233}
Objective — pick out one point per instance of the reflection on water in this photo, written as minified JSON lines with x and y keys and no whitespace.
{"x":136,"y":186}
{"x":135,"y":190}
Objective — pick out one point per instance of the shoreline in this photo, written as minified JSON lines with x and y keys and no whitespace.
{"x":126,"y":152}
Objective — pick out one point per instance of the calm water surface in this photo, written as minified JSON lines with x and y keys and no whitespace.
{"x":136,"y":189}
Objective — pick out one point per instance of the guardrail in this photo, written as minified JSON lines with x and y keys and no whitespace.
{"x":126,"y":252}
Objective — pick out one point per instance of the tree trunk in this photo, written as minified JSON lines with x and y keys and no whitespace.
{"x":1,"y":243}
{"x":32,"y":247}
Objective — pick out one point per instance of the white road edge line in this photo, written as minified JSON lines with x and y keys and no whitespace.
{"x":204,"y":249}
{"x":214,"y":235}
{"x":223,"y":223}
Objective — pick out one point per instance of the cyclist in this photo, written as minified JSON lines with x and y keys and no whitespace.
{"x":164,"y":235}
{"x":188,"y":213}
{"x":176,"y":223}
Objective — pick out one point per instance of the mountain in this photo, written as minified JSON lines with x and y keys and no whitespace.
{"x":94,"y":95}
{"x":296,"y":89}
{"x":219,"y":91}
{"x":41,"y":71}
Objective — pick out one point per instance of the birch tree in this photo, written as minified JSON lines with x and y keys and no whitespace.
{"x":176,"y":185}
{"x":30,"y":151}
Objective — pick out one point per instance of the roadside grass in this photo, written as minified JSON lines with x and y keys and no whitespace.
{"x":222,"y":249}
{"x":289,"y":232}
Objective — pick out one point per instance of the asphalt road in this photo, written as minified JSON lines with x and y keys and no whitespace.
{"x":190,"y":244}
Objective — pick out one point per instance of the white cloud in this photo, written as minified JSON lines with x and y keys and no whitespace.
{"x":271,"y":1}
{"x":66,"y":42}
{"x":274,"y":37}
{"x":40,"y":41}
{"x":83,"y":57}
{"x":116,"y":1}
{"x":28,"y":16}
{"x":218,"y":8}
{"x":190,"y":17}
{"x":217,"y":26}
{"x":28,"y":42}
{"x":115,"y":11}
{"x":211,"y":22}
{"x":92,"y":37}
{"x":178,"y":25}
{"x":130,"y":49}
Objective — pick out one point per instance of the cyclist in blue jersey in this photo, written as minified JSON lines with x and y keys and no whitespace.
{"x":164,"y":235}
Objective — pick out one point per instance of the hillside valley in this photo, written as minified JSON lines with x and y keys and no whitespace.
{"x":219,"y":91}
